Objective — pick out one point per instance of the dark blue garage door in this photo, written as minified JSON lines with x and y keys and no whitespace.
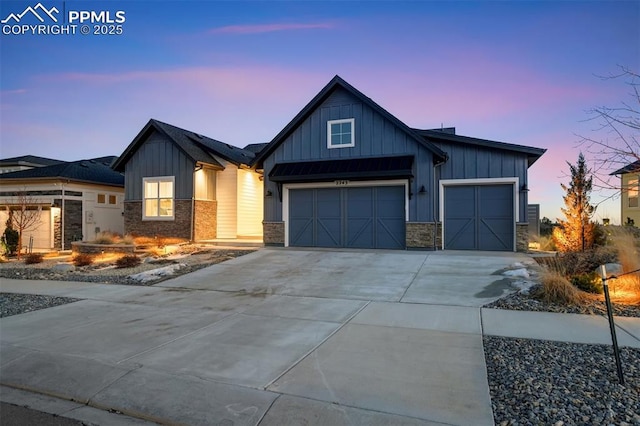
{"x":479,"y":217}
{"x":355,"y":217}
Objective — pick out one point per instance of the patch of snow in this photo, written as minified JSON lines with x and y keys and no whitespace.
{"x":521,"y":273}
{"x":155,"y":274}
{"x":524,"y":287}
{"x":64,"y":267}
{"x":517,"y":265}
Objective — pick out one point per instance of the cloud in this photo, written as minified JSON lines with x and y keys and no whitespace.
{"x":270,"y":28}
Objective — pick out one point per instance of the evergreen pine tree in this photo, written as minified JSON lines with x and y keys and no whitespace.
{"x":577,"y":231}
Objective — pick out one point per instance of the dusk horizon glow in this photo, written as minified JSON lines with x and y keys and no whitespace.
{"x":525,"y":73}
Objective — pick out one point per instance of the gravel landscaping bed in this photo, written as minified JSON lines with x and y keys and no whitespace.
{"x":522,"y":302}
{"x":535,"y":382}
{"x":107,"y":274}
{"x":14,"y":304}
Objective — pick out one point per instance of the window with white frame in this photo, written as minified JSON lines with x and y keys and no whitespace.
{"x":158,"y":198}
{"x":341,"y":133}
{"x":633,"y":191}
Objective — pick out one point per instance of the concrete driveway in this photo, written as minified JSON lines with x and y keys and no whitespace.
{"x":275,"y":337}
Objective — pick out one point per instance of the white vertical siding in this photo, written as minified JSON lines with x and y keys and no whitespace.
{"x":227,"y":196}
{"x":103,"y":216}
{"x":250,"y":204}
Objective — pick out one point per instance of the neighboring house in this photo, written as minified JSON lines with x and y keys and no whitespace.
{"x":630,"y":186}
{"x":346,"y":173}
{"x":75,"y":200}
{"x":181,"y":184}
{"x":25,"y":162}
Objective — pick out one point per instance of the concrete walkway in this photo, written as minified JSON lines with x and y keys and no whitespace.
{"x":279,"y":337}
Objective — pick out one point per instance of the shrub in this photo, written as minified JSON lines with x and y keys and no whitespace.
{"x":83,"y":260}
{"x":128,"y":239}
{"x":577,"y":263}
{"x":626,"y":245}
{"x":128,"y":261}
{"x":557,"y":289}
{"x":33,"y":258}
{"x":104,"y":237}
{"x":10,"y":239}
{"x":591,"y":283}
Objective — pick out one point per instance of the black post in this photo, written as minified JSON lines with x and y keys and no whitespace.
{"x":612,"y":326}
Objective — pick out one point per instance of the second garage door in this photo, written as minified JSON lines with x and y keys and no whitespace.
{"x":479,"y":217}
{"x":353,"y":217}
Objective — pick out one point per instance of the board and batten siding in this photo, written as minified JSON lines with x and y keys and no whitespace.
{"x":477,"y":162}
{"x":159,"y":156}
{"x":375,"y":136}
{"x":250,"y":204}
{"x":227,"y":196}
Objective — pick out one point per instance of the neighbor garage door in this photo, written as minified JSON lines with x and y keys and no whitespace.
{"x":479,"y":217}
{"x":354,"y":217}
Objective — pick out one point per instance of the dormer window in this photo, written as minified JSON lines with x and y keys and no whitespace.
{"x":340,"y":133}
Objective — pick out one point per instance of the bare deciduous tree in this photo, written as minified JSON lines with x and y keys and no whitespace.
{"x":24,"y":215}
{"x":617,"y":143}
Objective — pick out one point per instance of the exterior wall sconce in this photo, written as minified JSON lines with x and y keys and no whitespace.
{"x":422,"y":190}
{"x":268,"y":193}
{"x":524,"y":188}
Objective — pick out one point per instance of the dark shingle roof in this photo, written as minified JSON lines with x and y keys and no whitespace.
{"x":335,"y":83}
{"x":256,"y":147}
{"x":29,"y":160}
{"x":95,"y":170}
{"x":629,"y":168}
{"x":196,"y":146}
{"x":445,"y":135}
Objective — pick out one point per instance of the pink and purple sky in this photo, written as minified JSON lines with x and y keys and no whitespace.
{"x":523,"y":72}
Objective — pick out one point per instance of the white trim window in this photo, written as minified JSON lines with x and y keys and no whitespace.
{"x":633,"y":191}
{"x":158,"y":201}
{"x":341,"y":133}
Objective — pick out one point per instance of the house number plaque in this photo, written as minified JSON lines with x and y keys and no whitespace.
{"x":342,"y":182}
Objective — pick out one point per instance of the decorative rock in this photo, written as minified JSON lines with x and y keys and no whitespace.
{"x":612,"y":269}
{"x":64,"y":267}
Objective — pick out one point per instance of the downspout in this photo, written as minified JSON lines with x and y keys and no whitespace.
{"x":62,"y":218}
{"x":193,"y":203}
{"x":435,"y":202}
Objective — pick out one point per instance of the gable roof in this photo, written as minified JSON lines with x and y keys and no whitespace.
{"x":448,"y":135}
{"x":28,"y":161}
{"x":629,"y":168}
{"x":197,"y":147}
{"x":96,"y":170}
{"x":335,"y":83}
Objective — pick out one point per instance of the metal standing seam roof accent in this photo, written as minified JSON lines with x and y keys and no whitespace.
{"x":95,"y":170}
{"x":629,"y":168}
{"x":338,"y":82}
{"x":395,"y":167}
